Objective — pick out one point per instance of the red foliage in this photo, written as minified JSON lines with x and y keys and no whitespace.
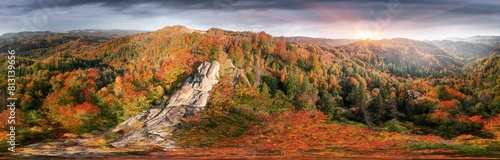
{"x":91,"y":82}
{"x":290,"y":131}
{"x":445,"y":110}
{"x":453,"y":93}
{"x":476,"y":119}
{"x":4,"y":118}
{"x":440,"y":115}
{"x":352,"y":80}
{"x":280,"y":46}
{"x":493,"y":125}
{"x":294,"y":132}
{"x":94,"y":74}
{"x":448,"y":105}
{"x":66,"y":117}
{"x":86,"y":108}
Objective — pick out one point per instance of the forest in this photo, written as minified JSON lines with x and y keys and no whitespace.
{"x":299,"y":96}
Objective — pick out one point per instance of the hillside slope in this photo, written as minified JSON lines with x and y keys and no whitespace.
{"x":464,"y":50}
{"x":282,"y":90}
{"x":39,"y":45}
{"x":404,"y":56}
{"x":322,"y":41}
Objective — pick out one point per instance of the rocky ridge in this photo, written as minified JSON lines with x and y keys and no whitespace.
{"x":140,"y":133}
{"x":158,"y":123}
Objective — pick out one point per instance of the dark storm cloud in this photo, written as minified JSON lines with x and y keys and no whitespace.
{"x":255,"y":14}
{"x":259,"y":4}
{"x":337,"y":7}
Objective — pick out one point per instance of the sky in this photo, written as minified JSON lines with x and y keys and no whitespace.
{"x":338,"y":19}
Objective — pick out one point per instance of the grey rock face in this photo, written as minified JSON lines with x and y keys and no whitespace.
{"x":158,"y":122}
{"x":413,"y":94}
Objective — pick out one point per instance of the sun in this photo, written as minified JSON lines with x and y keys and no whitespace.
{"x":364,"y":34}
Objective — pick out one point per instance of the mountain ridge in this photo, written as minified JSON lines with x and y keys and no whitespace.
{"x":282,"y":92}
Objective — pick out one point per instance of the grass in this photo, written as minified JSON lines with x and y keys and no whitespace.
{"x":458,"y":150}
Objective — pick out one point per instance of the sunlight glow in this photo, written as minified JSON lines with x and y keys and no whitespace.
{"x":363,"y":34}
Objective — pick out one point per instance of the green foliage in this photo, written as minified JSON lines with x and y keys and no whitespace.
{"x":461,"y":150}
{"x":228,"y":116}
{"x":395,"y":126}
{"x":366,"y":81}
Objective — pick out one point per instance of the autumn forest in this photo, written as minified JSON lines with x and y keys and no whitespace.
{"x":292,"y":96}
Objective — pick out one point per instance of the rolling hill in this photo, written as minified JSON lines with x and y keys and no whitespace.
{"x":39,"y":45}
{"x":403,"y":57}
{"x":464,"y":50}
{"x":269,"y":91}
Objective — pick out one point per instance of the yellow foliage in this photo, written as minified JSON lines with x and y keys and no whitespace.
{"x":70,"y":135}
{"x":462,"y":138}
{"x":95,"y":143}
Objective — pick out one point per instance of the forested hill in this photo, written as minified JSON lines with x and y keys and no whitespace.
{"x":489,"y":40}
{"x":464,"y":50}
{"x":396,"y":85}
{"x":403,"y":57}
{"x":39,"y":45}
{"x":322,"y":41}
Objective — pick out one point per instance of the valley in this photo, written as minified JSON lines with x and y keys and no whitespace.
{"x":278,"y":97}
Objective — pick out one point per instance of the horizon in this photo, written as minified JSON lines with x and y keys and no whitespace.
{"x":276,"y":36}
{"x":256,"y":79}
{"x":366,"y":19}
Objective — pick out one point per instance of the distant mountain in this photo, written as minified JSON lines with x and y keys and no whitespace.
{"x":404,"y":56}
{"x":88,"y":81}
{"x":39,"y":45}
{"x":115,"y":32}
{"x":489,"y":40}
{"x":322,"y":41}
{"x":485,"y":73}
{"x":496,"y":51}
{"x":463,"y":49}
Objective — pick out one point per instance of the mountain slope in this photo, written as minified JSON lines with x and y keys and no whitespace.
{"x":404,"y":56}
{"x":322,"y":41}
{"x":265,"y":84}
{"x":464,"y":50}
{"x":39,"y":45}
{"x":492,"y":41}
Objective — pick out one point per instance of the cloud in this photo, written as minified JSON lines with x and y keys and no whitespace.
{"x":334,"y":19}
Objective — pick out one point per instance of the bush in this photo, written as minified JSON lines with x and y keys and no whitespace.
{"x":395,"y":126}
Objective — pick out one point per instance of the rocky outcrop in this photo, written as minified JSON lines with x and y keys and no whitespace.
{"x":157,"y":123}
{"x":411,"y":95}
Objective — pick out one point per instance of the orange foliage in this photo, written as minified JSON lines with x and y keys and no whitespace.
{"x":474,"y":119}
{"x":94,"y":74}
{"x":454,"y":93}
{"x":86,"y":108}
{"x":493,"y":125}
{"x":440,"y":115}
{"x":293,"y":132}
{"x":173,"y":67}
{"x":432,"y":94}
{"x":352,"y":80}
{"x":4,"y":118}
{"x":91,"y":82}
{"x":445,"y":108}
{"x":448,"y":105}
{"x":65,"y":117}
{"x":73,"y":118}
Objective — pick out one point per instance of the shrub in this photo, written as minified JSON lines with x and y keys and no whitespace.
{"x":395,"y":126}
